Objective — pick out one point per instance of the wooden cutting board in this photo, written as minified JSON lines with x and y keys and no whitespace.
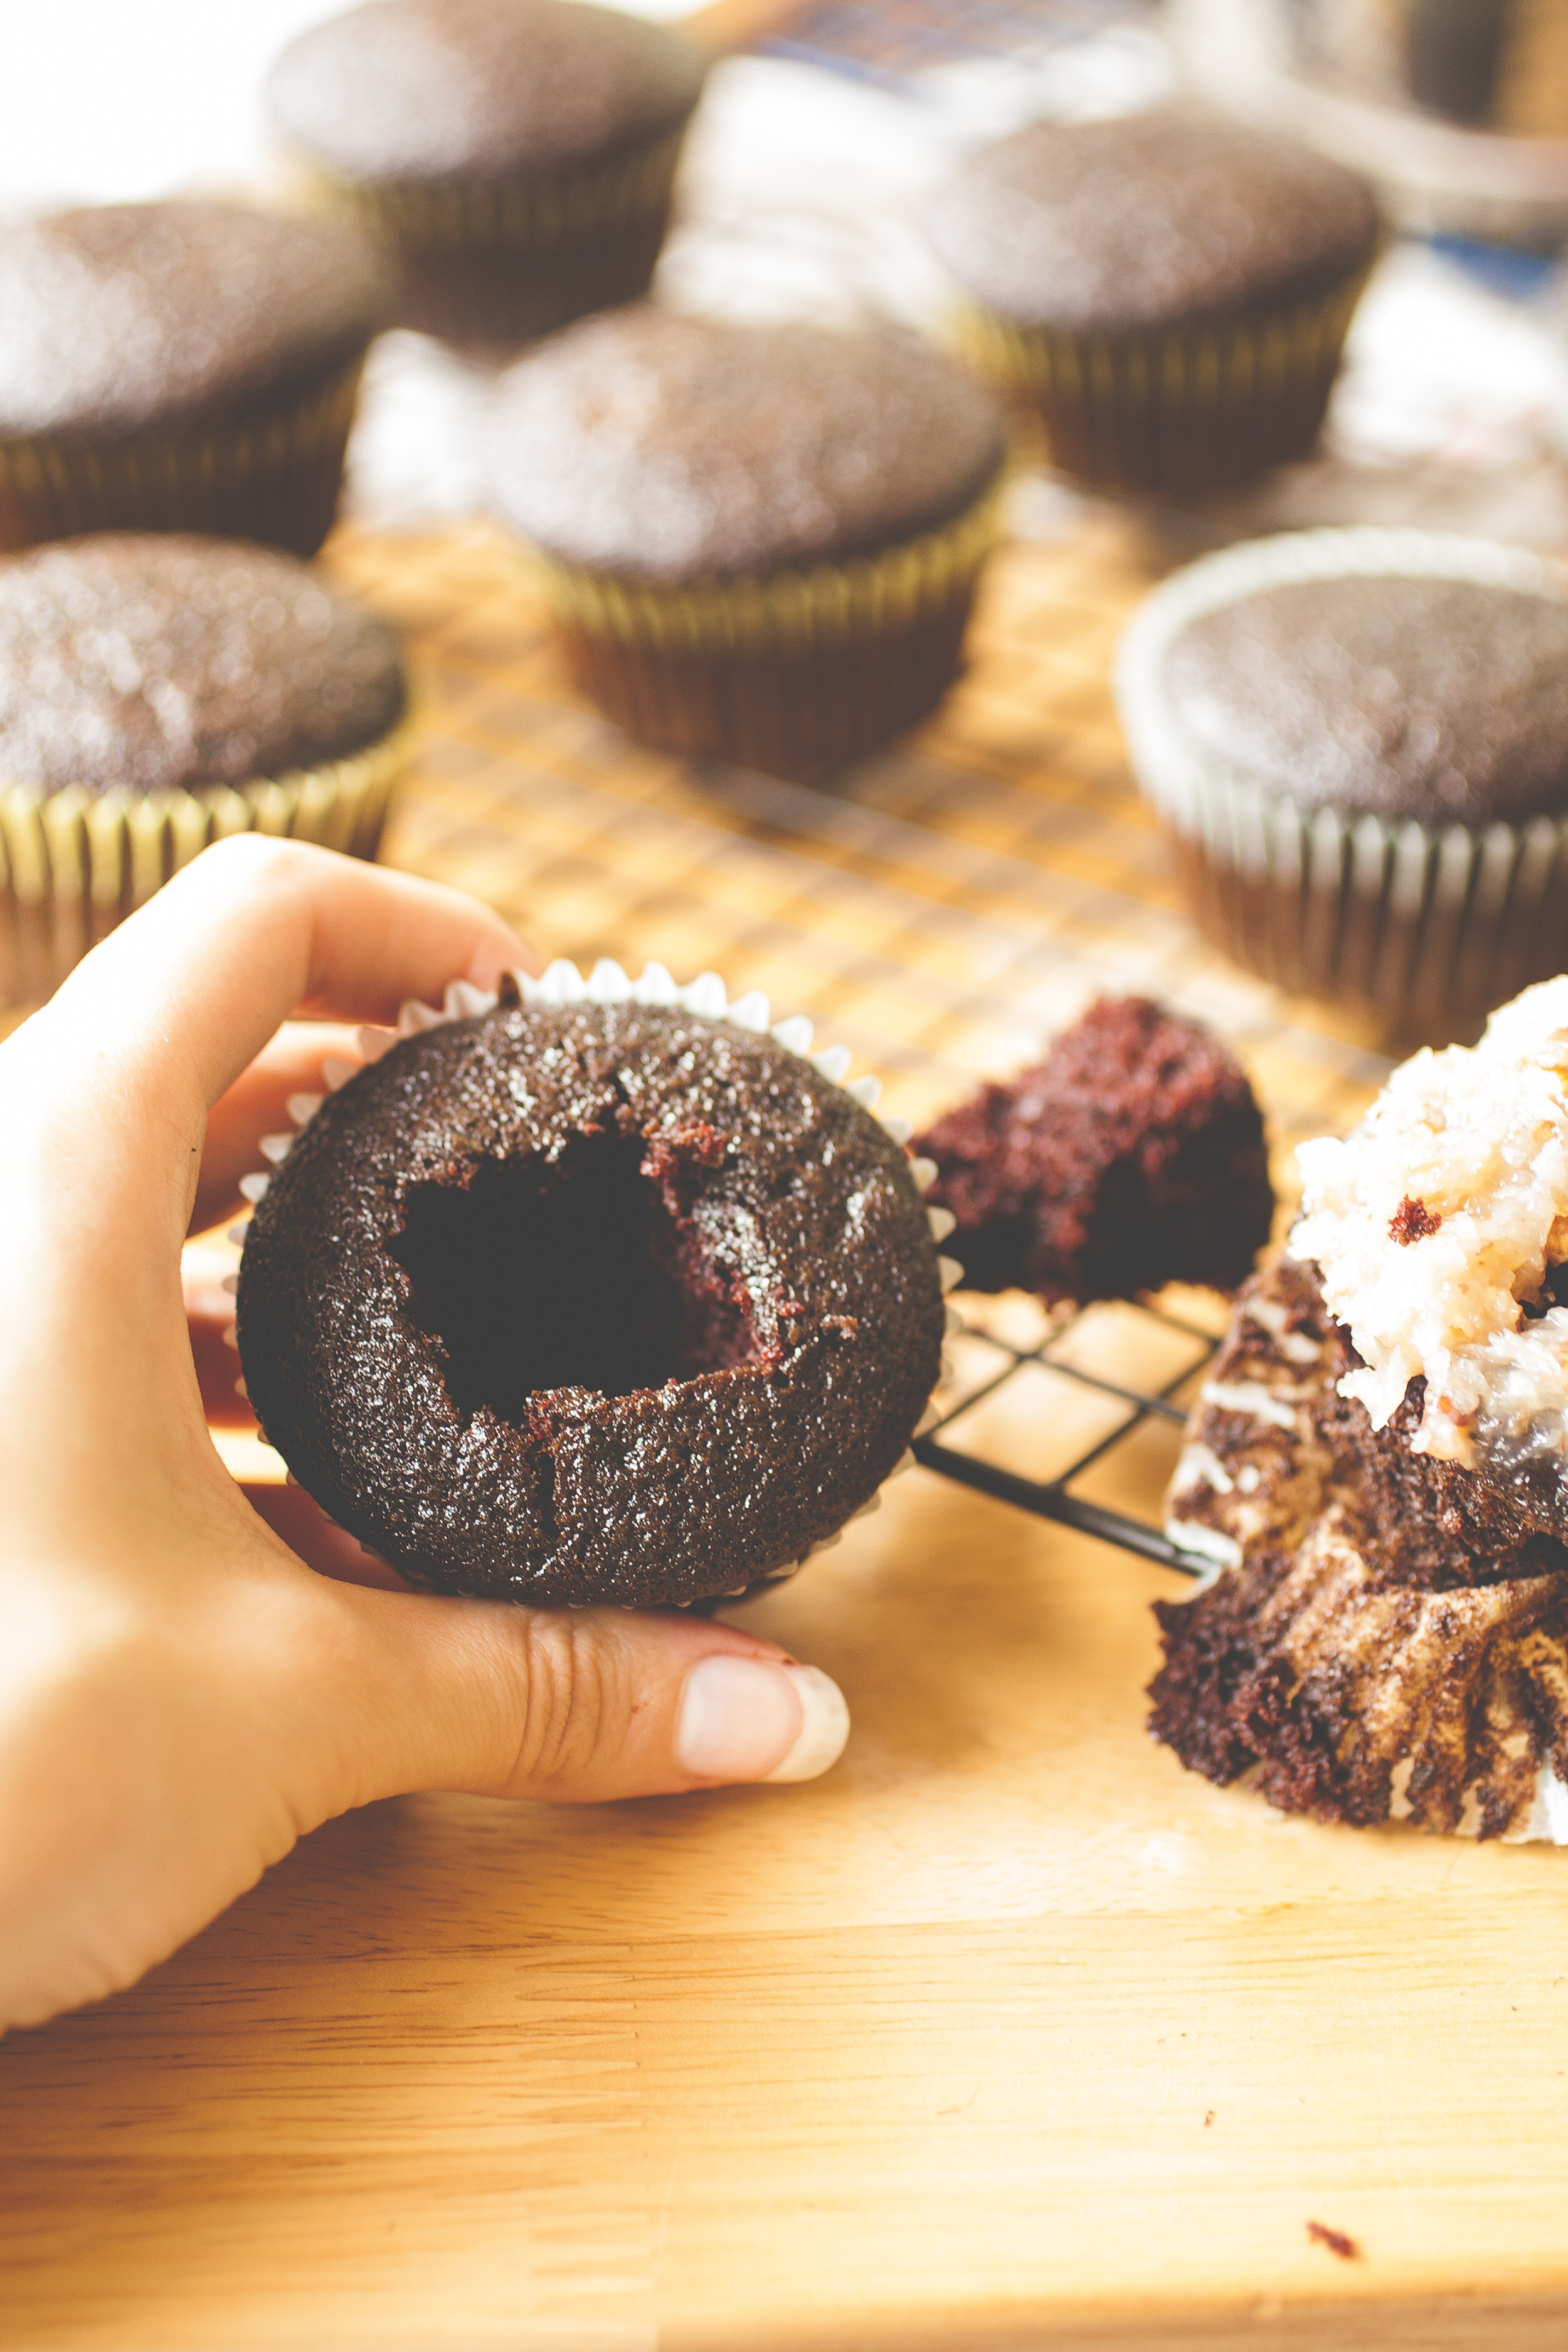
{"x":1008,"y":2032}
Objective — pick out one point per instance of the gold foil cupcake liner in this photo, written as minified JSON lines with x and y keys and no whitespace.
{"x":791,"y":611}
{"x":74,"y":863}
{"x":1186,"y":408}
{"x":574,"y":205}
{"x":272,"y":474}
{"x":797,"y":669}
{"x":707,"y":997}
{"x":1428,"y":925}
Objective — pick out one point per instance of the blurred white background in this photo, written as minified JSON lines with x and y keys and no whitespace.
{"x":104,"y":99}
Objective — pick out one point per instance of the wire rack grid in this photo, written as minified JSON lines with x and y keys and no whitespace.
{"x":1026,"y":1416}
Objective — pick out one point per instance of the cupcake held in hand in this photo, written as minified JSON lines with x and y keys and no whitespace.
{"x":518,"y":154}
{"x":757,"y":542}
{"x":180,"y":366}
{"x":157,"y":692}
{"x":1167,"y":293}
{"x":593,"y":1293}
{"x":1358,"y":743}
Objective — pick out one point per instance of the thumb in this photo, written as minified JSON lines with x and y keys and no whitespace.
{"x":572,"y":1706}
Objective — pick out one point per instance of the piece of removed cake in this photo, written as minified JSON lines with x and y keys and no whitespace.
{"x":1133,"y":1156}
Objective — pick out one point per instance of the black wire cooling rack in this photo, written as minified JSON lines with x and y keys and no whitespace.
{"x":1027,"y":1418}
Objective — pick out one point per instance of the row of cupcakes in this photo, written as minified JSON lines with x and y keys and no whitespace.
{"x":1356,"y":741}
{"x":760,"y":543}
{"x":1167,"y":294}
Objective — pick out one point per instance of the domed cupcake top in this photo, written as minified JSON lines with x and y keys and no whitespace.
{"x":669,"y":447}
{"x":155,"y":663}
{"x":593,"y":1300}
{"x":1146,"y":220}
{"x":117,"y":316}
{"x":422,"y":89}
{"x":1443,"y":700}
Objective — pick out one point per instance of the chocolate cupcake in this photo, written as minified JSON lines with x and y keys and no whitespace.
{"x":518,"y":153}
{"x":1168,"y":293}
{"x":180,"y":366}
{"x":1131,"y":1157}
{"x":593,"y":1293}
{"x":1357,"y":741}
{"x":157,"y":692}
{"x":1378,"y":1466}
{"x":756,"y":541}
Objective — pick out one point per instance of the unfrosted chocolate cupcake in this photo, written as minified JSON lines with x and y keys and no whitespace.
{"x":1358,"y":742}
{"x":519,"y":153}
{"x":757,"y":542}
{"x":1168,"y":292}
{"x":180,"y":366}
{"x":157,"y":692}
{"x":591,"y":1299}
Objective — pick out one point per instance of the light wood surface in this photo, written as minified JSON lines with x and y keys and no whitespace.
{"x":1007,"y":2033}
{"x":726,"y":24}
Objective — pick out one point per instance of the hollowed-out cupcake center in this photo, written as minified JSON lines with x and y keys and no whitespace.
{"x":581,"y":1272}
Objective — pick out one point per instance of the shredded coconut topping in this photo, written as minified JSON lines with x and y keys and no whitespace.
{"x":1434,"y":1224}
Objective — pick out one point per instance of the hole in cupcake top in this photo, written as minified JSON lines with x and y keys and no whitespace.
{"x":590,"y":1271}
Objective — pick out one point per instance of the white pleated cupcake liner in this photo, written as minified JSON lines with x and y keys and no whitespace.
{"x":607,"y":984}
{"x":1394,"y":913}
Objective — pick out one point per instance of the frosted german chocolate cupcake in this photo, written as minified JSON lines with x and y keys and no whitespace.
{"x":1377,"y":1467}
{"x":757,"y":542}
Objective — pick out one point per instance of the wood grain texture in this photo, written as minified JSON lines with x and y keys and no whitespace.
{"x":1007,"y":2033}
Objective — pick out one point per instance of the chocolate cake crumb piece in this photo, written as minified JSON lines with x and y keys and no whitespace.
{"x":1412,"y":1222}
{"x":1131,"y":1157}
{"x":1336,"y":2239}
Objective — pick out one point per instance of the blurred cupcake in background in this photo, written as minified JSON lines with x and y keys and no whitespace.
{"x":180,"y":366}
{"x":156,"y":693}
{"x":518,"y":153}
{"x":1168,"y":293}
{"x":1357,"y":741}
{"x":757,"y":542}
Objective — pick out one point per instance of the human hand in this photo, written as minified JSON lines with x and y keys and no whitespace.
{"x":181,"y":1695}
